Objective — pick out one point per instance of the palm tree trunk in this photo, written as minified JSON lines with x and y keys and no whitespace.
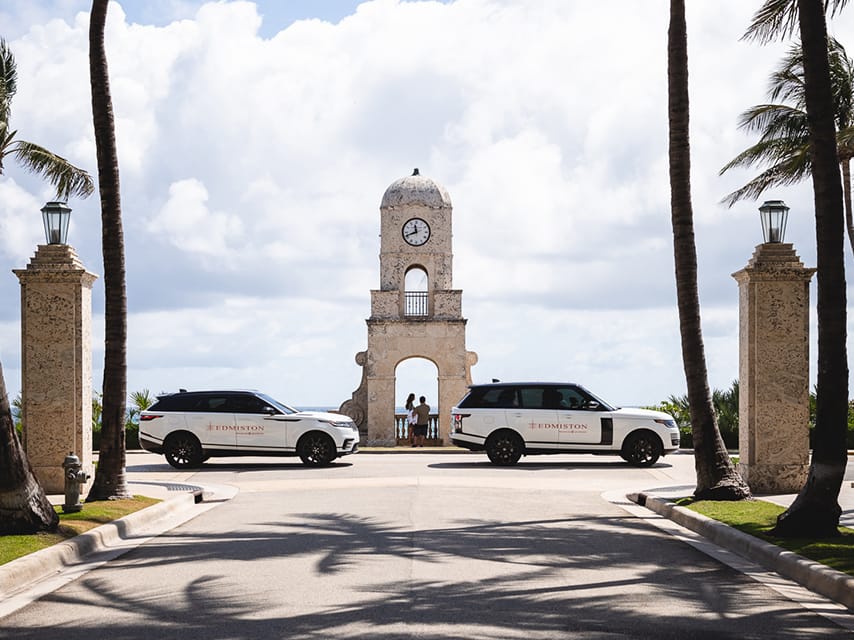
{"x":815,"y":512}
{"x":24,"y":507}
{"x":110,"y":482}
{"x":716,"y":476}
{"x":846,"y":193}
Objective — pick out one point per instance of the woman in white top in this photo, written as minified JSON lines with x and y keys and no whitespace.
{"x":410,"y":417}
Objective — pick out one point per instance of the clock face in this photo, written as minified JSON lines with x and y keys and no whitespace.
{"x":416,"y":231}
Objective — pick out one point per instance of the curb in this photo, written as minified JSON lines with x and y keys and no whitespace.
{"x":23,"y":572}
{"x":836,"y":585}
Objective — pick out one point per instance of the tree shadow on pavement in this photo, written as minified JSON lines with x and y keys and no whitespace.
{"x":343,"y":575}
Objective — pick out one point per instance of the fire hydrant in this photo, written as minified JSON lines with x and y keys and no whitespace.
{"x":75,"y":478}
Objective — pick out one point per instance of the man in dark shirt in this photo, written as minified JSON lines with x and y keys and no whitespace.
{"x":422,"y":418}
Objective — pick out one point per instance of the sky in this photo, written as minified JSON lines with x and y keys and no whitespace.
{"x":256,"y":140}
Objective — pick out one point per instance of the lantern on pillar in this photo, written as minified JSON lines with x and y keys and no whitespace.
{"x":56,"y":216}
{"x":773,"y":214}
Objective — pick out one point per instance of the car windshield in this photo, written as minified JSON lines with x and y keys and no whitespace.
{"x":602,"y":404}
{"x":280,"y":406}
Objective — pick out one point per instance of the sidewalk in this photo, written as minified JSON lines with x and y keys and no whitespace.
{"x":832,"y":584}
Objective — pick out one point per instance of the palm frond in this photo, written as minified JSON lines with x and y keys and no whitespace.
{"x":782,"y":174}
{"x":775,"y":18}
{"x":774,"y":121}
{"x":7,"y":138}
{"x":8,"y":80}
{"x":67,"y":179}
{"x":779,"y":19}
{"x":768,"y":152}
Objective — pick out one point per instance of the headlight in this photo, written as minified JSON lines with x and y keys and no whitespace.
{"x":670,"y":424}
{"x":343,"y":424}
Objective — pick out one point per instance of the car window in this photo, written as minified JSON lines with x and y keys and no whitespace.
{"x":532,"y":398}
{"x":245,"y":403}
{"x":282,"y":407}
{"x":212,"y":404}
{"x":491,"y":398}
{"x":572,"y":398}
{"x":175,"y":402}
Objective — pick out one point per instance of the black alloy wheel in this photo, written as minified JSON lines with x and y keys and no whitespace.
{"x":316,"y":449}
{"x":504,"y":448}
{"x":183,"y":450}
{"x":642,"y":449}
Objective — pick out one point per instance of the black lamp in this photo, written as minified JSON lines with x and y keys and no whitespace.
{"x":773,"y":214}
{"x":56,"y":216}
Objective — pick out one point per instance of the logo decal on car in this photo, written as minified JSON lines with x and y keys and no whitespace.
{"x":240,"y":428}
{"x":561,"y":426}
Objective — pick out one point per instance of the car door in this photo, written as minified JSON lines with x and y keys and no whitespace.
{"x":212,"y":421}
{"x":580,"y":421}
{"x":256,"y":425}
{"x":536,"y":421}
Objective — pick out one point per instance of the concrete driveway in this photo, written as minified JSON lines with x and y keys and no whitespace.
{"x":422,"y":545}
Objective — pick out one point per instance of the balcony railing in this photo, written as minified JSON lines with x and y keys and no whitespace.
{"x":415,"y":303}
{"x":402,"y":431}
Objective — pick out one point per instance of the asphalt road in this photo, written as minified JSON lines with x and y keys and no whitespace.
{"x":431,"y":546}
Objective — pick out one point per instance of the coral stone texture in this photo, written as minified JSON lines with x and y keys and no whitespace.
{"x":56,"y":368}
{"x":395,"y":332}
{"x":774,"y":369}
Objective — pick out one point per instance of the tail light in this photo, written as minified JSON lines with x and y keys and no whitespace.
{"x":148,"y":416}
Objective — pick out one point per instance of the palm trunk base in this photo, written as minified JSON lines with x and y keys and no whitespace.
{"x":26,"y":511}
{"x":808,"y":520}
{"x":104,"y":489}
{"x":730,"y":488}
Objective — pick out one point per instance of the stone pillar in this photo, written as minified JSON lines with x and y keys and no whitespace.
{"x":773,"y":367}
{"x":56,"y":367}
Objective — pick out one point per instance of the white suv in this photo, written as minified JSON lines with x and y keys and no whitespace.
{"x":508,"y":420}
{"x":191,"y":426}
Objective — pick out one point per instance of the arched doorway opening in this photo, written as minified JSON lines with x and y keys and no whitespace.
{"x":421,"y":377}
{"x":416,"y":293}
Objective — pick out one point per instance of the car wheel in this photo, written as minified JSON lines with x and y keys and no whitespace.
{"x":316,"y":449}
{"x":504,"y":448}
{"x":642,"y":449}
{"x":183,"y":450}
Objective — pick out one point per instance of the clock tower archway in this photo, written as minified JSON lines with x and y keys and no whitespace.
{"x":406,"y":321}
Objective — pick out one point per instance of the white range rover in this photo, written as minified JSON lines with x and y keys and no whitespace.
{"x":189,"y":427}
{"x":512,"y":419}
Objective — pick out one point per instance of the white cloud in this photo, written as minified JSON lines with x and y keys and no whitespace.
{"x":253,"y":165}
{"x":187,"y":223}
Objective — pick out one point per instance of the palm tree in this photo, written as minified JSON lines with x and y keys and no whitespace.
{"x":815,"y":512}
{"x":110,"y":481}
{"x":139,"y":402}
{"x":64,"y":176}
{"x":717,"y":478}
{"x":24,"y":507}
{"x":784,"y":141}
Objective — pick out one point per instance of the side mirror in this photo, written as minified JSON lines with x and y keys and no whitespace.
{"x":592,"y":405}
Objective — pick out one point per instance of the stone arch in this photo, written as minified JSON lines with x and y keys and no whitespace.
{"x":417,"y":374}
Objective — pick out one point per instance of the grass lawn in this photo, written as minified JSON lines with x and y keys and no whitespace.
{"x":757,"y":518}
{"x":93,"y":515}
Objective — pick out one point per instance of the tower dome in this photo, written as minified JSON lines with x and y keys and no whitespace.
{"x":416,"y":190}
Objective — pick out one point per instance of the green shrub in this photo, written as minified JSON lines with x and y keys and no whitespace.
{"x":131,"y":437}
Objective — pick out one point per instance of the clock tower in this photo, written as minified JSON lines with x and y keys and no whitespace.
{"x":415,"y":313}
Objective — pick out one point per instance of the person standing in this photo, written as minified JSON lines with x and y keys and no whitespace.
{"x":422,"y":419}
{"x":410,"y":418}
